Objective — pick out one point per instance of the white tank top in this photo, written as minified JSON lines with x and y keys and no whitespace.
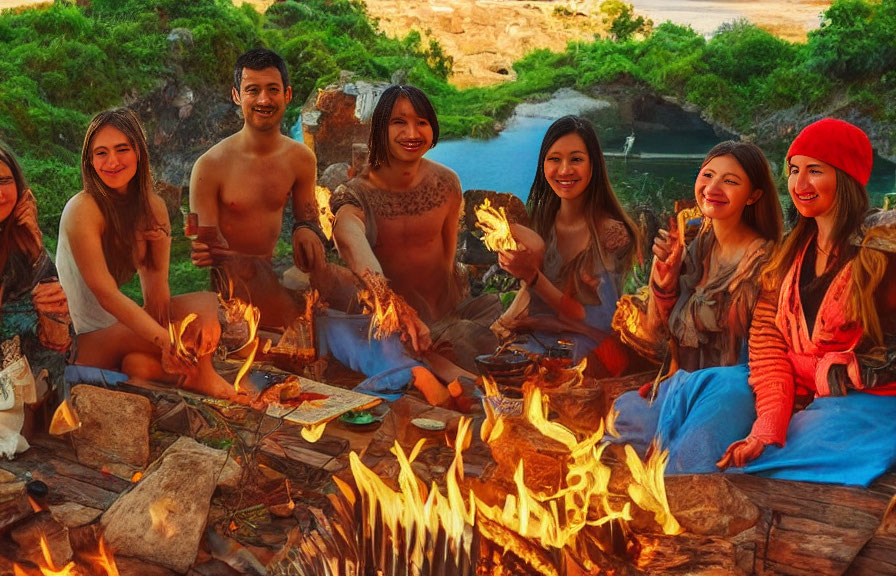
{"x":86,"y":312}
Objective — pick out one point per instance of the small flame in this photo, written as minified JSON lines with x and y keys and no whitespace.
{"x":314,"y":432}
{"x":386,"y":307}
{"x":64,"y":419}
{"x":495,"y":227}
{"x":325,"y":216}
{"x":105,"y":560}
{"x":176,"y":332}
{"x":50,"y":569}
{"x":137,"y":477}
{"x":237,"y":310}
{"x":648,"y":489}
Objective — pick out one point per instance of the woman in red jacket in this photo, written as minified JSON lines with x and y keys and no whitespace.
{"x":828,"y":335}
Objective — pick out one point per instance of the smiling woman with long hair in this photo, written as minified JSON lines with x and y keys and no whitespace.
{"x":23,"y":259}
{"x":582,"y":246}
{"x":113,"y":228}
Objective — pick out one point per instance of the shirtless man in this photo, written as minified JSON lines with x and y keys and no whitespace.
{"x":399,"y":220}
{"x":241,"y":186}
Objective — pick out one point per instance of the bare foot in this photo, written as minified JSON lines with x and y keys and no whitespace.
{"x":210,"y":383}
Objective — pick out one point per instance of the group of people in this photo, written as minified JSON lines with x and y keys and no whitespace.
{"x":778,"y":356}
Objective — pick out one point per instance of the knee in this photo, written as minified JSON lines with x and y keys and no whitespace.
{"x":142,"y":365}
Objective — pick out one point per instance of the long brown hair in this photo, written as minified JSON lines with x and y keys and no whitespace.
{"x":125,"y":215}
{"x":600,"y":200}
{"x":850,"y":207}
{"x":12,"y":236}
{"x":764,"y":215}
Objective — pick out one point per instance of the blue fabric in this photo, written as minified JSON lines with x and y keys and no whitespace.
{"x":599,"y":317}
{"x":837,"y":439}
{"x":386,"y":363}
{"x":695,"y":416}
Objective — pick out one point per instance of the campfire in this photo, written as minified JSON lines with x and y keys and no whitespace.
{"x":270,"y":484}
{"x":529,"y":520}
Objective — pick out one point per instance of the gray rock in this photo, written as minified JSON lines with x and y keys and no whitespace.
{"x":334,"y":175}
{"x":162,"y":519}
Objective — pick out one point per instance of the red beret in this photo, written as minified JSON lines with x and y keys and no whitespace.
{"x":837,"y":143}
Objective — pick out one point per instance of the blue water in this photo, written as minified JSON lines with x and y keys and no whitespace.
{"x":506,"y":163}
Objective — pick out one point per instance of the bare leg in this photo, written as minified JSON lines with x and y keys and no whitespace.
{"x":144,"y":365}
{"x":445,"y":369}
{"x":202,"y":336}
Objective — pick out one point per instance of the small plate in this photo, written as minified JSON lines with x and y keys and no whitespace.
{"x":358,"y":418}
{"x":428,"y":424}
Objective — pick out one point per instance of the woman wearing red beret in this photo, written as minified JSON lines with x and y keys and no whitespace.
{"x":819,"y":403}
{"x":828,"y":335}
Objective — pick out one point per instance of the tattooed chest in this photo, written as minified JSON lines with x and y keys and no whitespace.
{"x":419,"y":201}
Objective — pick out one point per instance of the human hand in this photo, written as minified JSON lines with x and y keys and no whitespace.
{"x":741,"y":452}
{"x":204,"y":254}
{"x":307,"y":250}
{"x":667,"y":249}
{"x":392,"y":313}
{"x":521,"y":263}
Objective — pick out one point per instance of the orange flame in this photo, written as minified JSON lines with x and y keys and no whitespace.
{"x":495,"y":227}
{"x":238,"y":310}
{"x":325,"y":216}
{"x":64,"y":419}
{"x":386,"y":307}
{"x":105,"y":560}
{"x":648,"y":489}
{"x":176,"y":330}
{"x":137,"y":477}
{"x":414,"y":515}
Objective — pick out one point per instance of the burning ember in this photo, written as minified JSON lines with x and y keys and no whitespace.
{"x":102,"y":563}
{"x":495,"y":227}
{"x":389,"y":311}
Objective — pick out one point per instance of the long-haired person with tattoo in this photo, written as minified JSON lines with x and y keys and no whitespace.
{"x":396,"y":225}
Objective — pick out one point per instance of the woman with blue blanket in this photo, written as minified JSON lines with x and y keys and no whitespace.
{"x":574,"y":262}
{"x":697,"y":309}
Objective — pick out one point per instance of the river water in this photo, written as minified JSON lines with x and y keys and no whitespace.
{"x":668,"y":158}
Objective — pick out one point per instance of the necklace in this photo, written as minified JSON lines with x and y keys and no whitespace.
{"x":822,"y":250}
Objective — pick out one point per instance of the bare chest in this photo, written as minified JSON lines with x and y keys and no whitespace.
{"x":257,"y":187}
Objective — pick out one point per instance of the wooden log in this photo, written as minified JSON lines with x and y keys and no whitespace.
{"x":811,"y":529}
{"x":68,"y":481}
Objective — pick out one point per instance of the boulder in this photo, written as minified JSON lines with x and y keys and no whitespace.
{"x":709,"y":505}
{"x":513,"y":207}
{"x":162,"y":519}
{"x":338,"y":116}
{"x":114,"y":432}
